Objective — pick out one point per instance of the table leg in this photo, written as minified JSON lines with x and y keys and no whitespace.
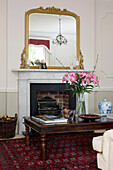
{"x":27,"y":136}
{"x":43,"y":147}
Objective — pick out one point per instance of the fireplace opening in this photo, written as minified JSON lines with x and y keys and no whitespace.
{"x":48,"y":105}
{"x":50,"y":98}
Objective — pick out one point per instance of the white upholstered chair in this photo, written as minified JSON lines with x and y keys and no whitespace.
{"x":104,"y":146}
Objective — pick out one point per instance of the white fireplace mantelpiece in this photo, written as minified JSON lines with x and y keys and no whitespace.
{"x":27,"y":76}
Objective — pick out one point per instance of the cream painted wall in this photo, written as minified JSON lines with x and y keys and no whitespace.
{"x":3,"y":36}
{"x":104,"y":49}
{"x":12,"y":14}
{"x":3,"y":102}
{"x":104,"y":39}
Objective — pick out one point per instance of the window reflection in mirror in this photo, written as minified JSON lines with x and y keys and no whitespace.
{"x":44,"y":28}
{"x":39,"y":50}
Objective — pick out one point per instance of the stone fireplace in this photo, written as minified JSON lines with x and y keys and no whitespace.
{"x":46,"y":82}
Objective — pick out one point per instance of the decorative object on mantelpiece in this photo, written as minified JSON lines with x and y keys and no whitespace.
{"x":105,"y":106}
{"x":7,"y":126}
{"x":43,"y":66}
{"x":40,"y":64}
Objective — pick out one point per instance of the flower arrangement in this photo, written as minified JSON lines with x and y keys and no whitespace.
{"x":37,"y":62}
{"x":80,"y":82}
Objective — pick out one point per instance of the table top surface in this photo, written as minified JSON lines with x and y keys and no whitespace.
{"x":70,"y":126}
{"x":70,"y":122}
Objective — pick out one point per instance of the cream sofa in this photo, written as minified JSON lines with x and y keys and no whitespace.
{"x":104,"y":146}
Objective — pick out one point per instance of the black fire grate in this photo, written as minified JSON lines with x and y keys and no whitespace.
{"x":48,"y":105}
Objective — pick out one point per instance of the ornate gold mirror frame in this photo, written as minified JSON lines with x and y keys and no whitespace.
{"x":50,"y":10}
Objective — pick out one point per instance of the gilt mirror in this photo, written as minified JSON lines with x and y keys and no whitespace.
{"x":52,"y":36}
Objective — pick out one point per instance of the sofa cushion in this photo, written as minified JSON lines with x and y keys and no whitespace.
{"x":102,"y":164}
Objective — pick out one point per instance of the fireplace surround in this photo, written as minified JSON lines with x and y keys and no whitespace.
{"x":28,"y":77}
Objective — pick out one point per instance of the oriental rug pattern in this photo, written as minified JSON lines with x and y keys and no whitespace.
{"x":64,"y":152}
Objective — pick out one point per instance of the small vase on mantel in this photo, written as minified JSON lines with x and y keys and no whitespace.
{"x":80,"y":106}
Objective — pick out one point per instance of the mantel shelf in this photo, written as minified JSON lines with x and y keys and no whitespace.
{"x":49,"y":70}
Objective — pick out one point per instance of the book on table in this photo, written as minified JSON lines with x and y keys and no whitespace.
{"x":50,"y":119}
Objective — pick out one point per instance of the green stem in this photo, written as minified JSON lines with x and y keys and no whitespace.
{"x":80,"y":107}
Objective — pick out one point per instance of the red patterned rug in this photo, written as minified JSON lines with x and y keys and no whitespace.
{"x":64,"y":152}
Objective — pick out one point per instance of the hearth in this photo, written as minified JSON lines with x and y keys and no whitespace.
{"x":50,"y":98}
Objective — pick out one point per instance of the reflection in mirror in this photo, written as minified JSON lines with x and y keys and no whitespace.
{"x":39,"y":51}
{"x":60,"y":39}
{"x":43,"y":29}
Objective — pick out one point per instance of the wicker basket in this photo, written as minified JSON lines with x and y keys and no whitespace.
{"x":7,"y":127}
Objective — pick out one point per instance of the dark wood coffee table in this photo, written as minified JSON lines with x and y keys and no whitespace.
{"x":77,"y":126}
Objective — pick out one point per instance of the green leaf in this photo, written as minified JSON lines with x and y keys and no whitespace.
{"x":83,"y":77}
{"x":78,"y":76}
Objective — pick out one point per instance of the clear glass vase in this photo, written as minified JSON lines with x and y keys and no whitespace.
{"x":80,"y":105}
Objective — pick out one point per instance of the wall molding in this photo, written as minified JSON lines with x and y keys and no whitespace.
{"x":8,"y":90}
{"x":103,"y":89}
{"x":97,"y":89}
{"x":106,"y":49}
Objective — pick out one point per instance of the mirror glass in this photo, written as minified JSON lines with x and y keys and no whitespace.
{"x":42,"y":26}
{"x":43,"y":29}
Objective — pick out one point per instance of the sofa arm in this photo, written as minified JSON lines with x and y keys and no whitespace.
{"x":108,"y":139}
{"x":109,"y":134}
{"x":97,"y":143}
